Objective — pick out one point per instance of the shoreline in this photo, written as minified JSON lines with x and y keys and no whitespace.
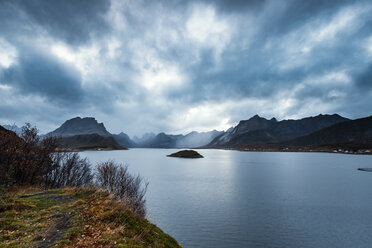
{"x":88,"y":149}
{"x":308,"y":151}
{"x":335,"y":150}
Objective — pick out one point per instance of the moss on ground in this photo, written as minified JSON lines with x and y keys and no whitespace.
{"x":73,"y":218}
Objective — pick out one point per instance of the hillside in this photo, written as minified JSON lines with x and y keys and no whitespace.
{"x":73,"y":218}
{"x":357,"y":131}
{"x":258,"y":130}
{"x":14,"y":128}
{"x":5,"y":131}
{"x":89,"y":142}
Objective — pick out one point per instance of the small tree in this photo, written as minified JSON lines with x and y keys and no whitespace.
{"x":23,"y":161}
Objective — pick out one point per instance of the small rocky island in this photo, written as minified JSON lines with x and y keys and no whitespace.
{"x":186,"y":154}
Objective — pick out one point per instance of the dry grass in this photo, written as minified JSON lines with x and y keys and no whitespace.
{"x":97,"y":220}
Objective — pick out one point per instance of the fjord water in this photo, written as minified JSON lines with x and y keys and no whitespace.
{"x":255,"y":199}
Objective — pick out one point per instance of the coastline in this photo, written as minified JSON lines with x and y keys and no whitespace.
{"x":296,"y":149}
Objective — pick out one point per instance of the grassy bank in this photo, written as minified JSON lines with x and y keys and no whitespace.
{"x":73,"y":218}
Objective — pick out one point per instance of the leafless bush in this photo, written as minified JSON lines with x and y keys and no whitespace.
{"x":68,"y":170}
{"x":30,"y":160}
{"x":116,"y":179}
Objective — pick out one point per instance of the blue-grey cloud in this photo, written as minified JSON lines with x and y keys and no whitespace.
{"x":179,"y":65}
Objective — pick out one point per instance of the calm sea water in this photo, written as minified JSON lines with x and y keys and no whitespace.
{"x":248,"y":199}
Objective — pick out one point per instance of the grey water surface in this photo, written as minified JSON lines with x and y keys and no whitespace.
{"x":255,"y":199}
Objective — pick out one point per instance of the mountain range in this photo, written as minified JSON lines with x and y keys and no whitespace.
{"x":87,"y":133}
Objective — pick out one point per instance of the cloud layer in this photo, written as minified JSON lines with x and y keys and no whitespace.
{"x":177,"y":66}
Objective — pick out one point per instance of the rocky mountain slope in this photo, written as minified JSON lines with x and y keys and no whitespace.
{"x":357,"y":131}
{"x":85,"y":133}
{"x":77,"y":126}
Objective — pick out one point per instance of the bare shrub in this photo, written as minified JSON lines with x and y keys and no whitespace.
{"x":116,"y":179}
{"x":29,"y":160}
{"x":68,"y":170}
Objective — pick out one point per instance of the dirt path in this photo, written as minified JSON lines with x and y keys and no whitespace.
{"x":55,"y":233}
{"x":61,"y":222}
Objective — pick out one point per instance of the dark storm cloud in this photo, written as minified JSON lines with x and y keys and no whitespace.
{"x":237,"y":5}
{"x":223,"y":5}
{"x":70,"y":20}
{"x":296,"y":13}
{"x":364,"y":80}
{"x":44,"y":75}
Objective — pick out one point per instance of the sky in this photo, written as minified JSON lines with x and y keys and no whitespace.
{"x":176,"y":66}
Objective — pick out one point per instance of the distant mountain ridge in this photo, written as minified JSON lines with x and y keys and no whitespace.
{"x":123,"y":140}
{"x":190,"y":140}
{"x":258,"y":130}
{"x":160,"y":140}
{"x":146,"y":137}
{"x":197,"y":139}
